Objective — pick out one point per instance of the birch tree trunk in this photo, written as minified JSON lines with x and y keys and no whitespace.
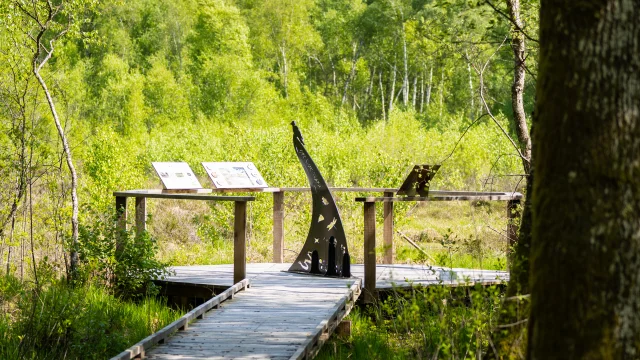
{"x":392,"y":91}
{"x":285,"y":71}
{"x":428,"y":99}
{"x":585,"y":268}
{"x":72,"y":169}
{"x":41,"y":55}
{"x":384,"y":115}
{"x":351,"y":73}
{"x":405,"y":79}
{"x":519,"y":259}
{"x":471,"y":92}
{"x":415,"y":91}
{"x":441,"y":90}
{"x":517,"y":88}
{"x":367,"y":96}
{"x":421,"y":92}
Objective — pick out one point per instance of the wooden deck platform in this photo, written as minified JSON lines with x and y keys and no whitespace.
{"x":387,"y":276}
{"x":282,"y":315}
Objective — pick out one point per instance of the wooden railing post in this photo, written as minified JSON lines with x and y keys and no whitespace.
{"x":278,"y":227}
{"x":121,"y":220}
{"x":239,"y":245}
{"x":369,"y":251}
{"x":513,"y":214}
{"x":141,"y":215}
{"x":388,"y":230}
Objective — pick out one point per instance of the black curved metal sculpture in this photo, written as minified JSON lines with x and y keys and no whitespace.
{"x":325,"y":219}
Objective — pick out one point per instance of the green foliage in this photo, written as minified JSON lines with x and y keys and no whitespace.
{"x":59,"y":321}
{"x":424,"y":323}
{"x":220,"y":80}
{"x":120,"y":259}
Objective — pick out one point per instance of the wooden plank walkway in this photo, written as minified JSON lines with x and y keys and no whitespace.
{"x":285,"y":315}
{"x":281,"y":316}
{"x":387,"y":276}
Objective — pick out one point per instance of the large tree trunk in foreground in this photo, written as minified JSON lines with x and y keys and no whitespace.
{"x":585,"y":258}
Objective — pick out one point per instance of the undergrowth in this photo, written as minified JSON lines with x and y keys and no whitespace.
{"x":59,"y":321}
{"x":423,"y":323}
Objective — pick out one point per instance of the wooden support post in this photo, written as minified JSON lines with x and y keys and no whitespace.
{"x":278,"y":227}
{"x":513,"y":214}
{"x":239,"y":245}
{"x":369,"y":252}
{"x":344,"y":329}
{"x":388,"y":231}
{"x":141,"y":215}
{"x":121,"y":220}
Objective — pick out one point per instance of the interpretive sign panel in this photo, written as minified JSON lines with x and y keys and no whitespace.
{"x":176,"y":175}
{"x":234,"y":175}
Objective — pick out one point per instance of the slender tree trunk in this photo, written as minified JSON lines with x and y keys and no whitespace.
{"x":471,"y":92}
{"x":367,"y":96}
{"x":351,"y":73}
{"x":428,"y":99}
{"x":519,"y":258}
{"x":441,"y":90}
{"x":515,"y":311}
{"x":421,"y":92}
{"x":13,"y":227}
{"x":37,"y":65}
{"x":72,"y":171}
{"x":384,"y":115}
{"x":2,"y":246}
{"x":333,"y":79}
{"x":33,"y":253}
{"x":24,"y":231}
{"x":585,"y":267}
{"x":285,"y":71}
{"x":415,"y":91}
{"x":22,"y":177}
{"x":405,"y":79}
{"x":517,"y":89}
{"x":392,"y":91}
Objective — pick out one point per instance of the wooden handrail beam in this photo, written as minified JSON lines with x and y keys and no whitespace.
{"x":138,"y":350}
{"x":440,"y":197}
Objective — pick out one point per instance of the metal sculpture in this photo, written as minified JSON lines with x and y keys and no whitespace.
{"x":418,"y":180}
{"x":326,"y":224}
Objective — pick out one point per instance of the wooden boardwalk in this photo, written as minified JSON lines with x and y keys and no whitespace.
{"x":387,"y":276}
{"x":281,"y":315}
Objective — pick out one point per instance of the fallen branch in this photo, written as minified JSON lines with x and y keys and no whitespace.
{"x":512,"y":325}
{"x":415,"y":245}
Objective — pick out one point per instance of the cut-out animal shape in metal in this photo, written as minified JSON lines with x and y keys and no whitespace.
{"x":325,"y":219}
{"x":418,"y":181}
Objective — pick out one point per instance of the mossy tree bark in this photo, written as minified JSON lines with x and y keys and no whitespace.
{"x":585,"y":263}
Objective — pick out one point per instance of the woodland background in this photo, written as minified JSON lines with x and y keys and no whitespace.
{"x":375,"y":86}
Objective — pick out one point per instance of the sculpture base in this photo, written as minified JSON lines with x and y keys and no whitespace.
{"x":318,"y":275}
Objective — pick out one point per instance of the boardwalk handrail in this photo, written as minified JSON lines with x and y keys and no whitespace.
{"x":323,"y":331}
{"x":137,"y":350}
{"x":239,"y":218}
{"x":512,"y":198}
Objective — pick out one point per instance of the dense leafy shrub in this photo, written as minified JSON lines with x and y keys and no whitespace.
{"x":122,"y":260}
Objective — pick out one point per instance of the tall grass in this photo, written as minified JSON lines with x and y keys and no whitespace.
{"x":64,"y":322}
{"x":423,"y":323}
